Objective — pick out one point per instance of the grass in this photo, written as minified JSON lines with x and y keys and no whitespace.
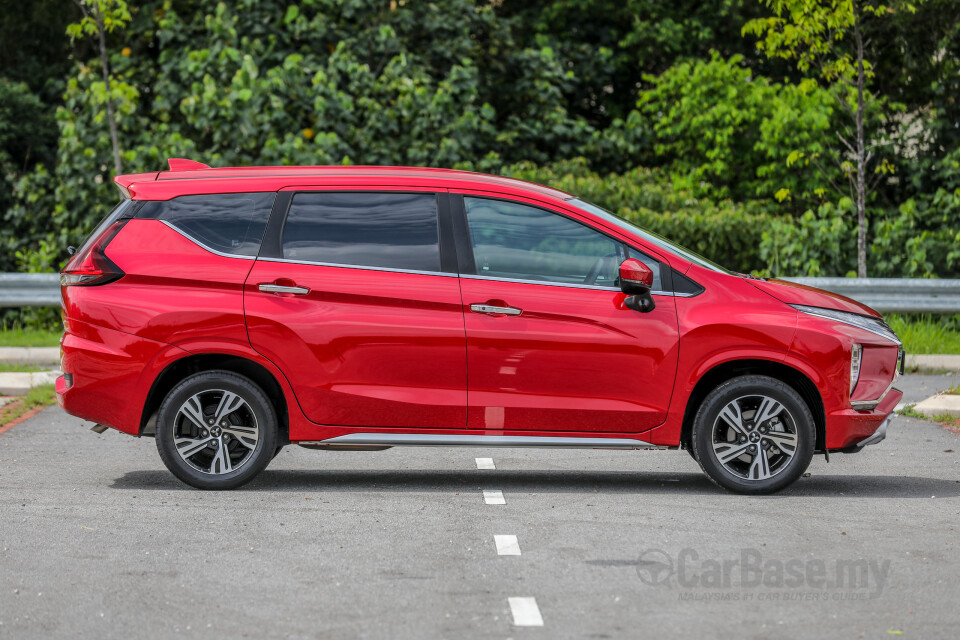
{"x":19,"y":368}
{"x":41,"y":396}
{"x":909,"y":412}
{"x":926,"y":334}
{"x":946,"y":421}
{"x":26,"y":337}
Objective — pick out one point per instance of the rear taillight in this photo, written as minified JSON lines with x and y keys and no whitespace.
{"x":91,"y":266}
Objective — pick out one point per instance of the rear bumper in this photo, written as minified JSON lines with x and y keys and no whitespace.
{"x":107,"y":374}
{"x":850,"y":430}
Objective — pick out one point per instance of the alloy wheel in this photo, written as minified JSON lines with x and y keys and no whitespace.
{"x":216,"y":431}
{"x":754,"y":437}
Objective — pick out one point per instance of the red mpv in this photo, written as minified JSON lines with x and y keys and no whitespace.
{"x":229,"y":312}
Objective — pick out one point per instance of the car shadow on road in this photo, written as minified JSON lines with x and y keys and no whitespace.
{"x":625,"y":482}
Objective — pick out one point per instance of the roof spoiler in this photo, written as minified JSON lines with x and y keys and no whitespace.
{"x":182,"y":164}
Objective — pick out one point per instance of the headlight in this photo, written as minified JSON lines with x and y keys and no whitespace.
{"x":856,"y":356}
{"x":873,"y":325}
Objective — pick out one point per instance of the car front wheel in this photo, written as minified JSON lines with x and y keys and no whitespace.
{"x":754,"y":435}
{"x":216,"y":430}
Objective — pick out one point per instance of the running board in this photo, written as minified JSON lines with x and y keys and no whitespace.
{"x":448,"y":440}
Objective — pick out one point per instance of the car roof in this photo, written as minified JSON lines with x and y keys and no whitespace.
{"x":188,"y":177}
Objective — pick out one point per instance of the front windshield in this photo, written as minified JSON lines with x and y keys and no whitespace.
{"x":649,"y":236}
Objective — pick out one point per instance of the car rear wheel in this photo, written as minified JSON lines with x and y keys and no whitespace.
{"x":216,"y":430}
{"x":754,"y":434}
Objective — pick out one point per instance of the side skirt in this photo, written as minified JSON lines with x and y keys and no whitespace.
{"x":459,"y":440}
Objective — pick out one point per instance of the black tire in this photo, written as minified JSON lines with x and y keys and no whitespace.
{"x":250,"y":459}
{"x":711,"y":432}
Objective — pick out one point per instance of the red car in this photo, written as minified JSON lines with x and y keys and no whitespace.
{"x":230,"y":312}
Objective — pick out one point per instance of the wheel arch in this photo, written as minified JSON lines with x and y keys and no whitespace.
{"x":198,"y":363}
{"x":722,"y":372}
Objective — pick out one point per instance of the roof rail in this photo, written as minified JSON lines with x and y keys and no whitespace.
{"x":183,"y":164}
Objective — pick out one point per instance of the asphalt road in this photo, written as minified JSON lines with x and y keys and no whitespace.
{"x":98,"y":540}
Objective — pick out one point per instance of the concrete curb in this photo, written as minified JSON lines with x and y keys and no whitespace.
{"x":43,"y":356}
{"x":938,"y":362}
{"x":18,"y":384}
{"x":939,"y":405}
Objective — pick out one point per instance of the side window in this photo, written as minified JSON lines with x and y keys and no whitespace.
{"x":390,"y":230}
{"x":512,"y":240}
{"x":230,"y":223}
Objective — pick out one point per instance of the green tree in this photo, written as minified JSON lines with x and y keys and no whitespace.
{"x":443,"y":83}
{"x":99,"y":18}
{"x":27,"y":136}
{"x":827,"y":37}
{"x":729,"y":133}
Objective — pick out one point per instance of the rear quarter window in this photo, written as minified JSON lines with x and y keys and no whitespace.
{"x":230,"y":223}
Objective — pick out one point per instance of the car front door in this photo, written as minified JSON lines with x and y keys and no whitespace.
{"x":354,"y":299}
{"x":550,"y":345}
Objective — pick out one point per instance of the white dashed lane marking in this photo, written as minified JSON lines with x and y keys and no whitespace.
{"x":525,"y":611}
{"x":507,"y":545}
{"x":485,"y":463}
{"x":493,"y":496}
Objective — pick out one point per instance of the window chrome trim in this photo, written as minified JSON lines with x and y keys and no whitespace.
{"x":563,"y":284}
{"x":210,"y":249}
{"x":466,"y":276}
{"x":360,"y":266}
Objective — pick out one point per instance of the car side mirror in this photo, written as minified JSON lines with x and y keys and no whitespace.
{"x":636,"y":280}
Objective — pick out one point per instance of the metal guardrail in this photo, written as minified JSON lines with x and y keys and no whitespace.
{"x":888,"y":295}
{"x":883,"y":294}
{"x":29,"y":290}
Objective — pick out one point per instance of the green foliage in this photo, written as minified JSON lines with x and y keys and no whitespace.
{"x":612,"y":44}
{"x":811,"y":31}
{"x":732,"y":134}
{"x":26,"y":137}
{"x":111,"y":14}
{"x":34,"y":47}
{"x":818,"y":243}
{"x":924,"y":240}
{"x":439,"y":84}
{"x":686,"y":127}
{"x":725,"y":232}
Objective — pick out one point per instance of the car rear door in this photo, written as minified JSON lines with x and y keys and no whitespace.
{"x":355,"y":297}
{"x":550,"y":345}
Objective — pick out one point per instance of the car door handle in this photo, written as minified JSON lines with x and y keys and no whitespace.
{"x":487,"y":308}
{"x":279,"y":288}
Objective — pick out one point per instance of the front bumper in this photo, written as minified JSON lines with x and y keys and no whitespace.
{"x":877,"y":436}
{"x":848,"y":428}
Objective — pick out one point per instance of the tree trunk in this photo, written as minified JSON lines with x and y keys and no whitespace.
{"x":111,"y":117}
{"x":861,"y":156}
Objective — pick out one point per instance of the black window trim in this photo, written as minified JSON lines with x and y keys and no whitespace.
{"x":271,"y":249}
{"x":465,"y":248}
{"x":135,"y":213}
{"x":202,"y":245}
